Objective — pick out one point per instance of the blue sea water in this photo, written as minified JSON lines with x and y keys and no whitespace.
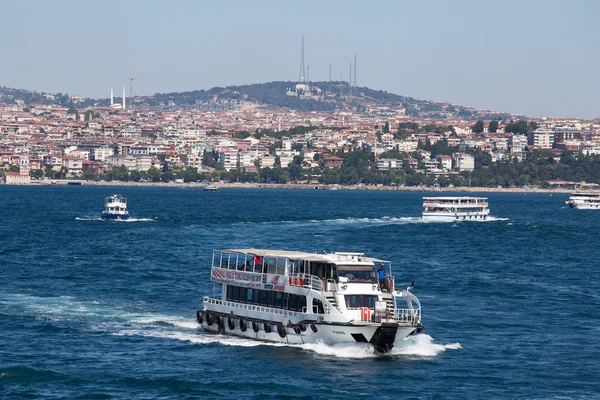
{"x":97,"y":309}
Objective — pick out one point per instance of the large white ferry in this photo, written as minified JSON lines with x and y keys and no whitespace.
{"x":115,"y":207}
{"x":455,"y":208}
{"x":296,"y":297}
{"x":584,"y":201}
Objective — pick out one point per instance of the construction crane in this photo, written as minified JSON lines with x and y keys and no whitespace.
{"x":131,"y":88}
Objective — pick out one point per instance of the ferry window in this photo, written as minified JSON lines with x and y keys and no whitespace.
{"x":284,"y":300}
{"x":271,"y":265}
{"x":357,"y":301}
{"x":318,"y":307}
{"x":279,"y":299}
{"x":263,"y":298}
{"x":229,"y":293}
{"x":271,"y":299}
{"x":249,"y":296}
{"x":281,"y":264}
{"x":256,"y":296}
{"x":235,"y":293}
{"x":243,"y":294}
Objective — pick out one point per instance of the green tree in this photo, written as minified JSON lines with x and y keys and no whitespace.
{"x":478,"y":127}
{"x":386,"y":127}
{"x":493,"y":127}
{"x":154,"y":174}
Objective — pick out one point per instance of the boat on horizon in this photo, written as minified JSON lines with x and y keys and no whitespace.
{"x":115,"y":207}
{"x":210,"y":188}
{"x":584,"y":201}
{"x":295,"y":297}
{"x":455,"y":208}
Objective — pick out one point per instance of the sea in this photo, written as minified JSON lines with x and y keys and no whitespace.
{"x":93,"y":309}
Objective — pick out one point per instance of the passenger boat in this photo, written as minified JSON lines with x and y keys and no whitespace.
{"x":455,"y":208}
{"x":115,"y":207}
{"x":584,"y":201}
{"x":296,"y":298}
{"x":210,"y":188}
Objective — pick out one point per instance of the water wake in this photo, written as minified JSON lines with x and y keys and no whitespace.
{"x":120,"y":322}
{"x":114,"y":220}
{"x":378,"y":221}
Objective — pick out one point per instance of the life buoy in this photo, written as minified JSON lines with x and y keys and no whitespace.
{"x":243,"y":325}
{"x":301,"y":282}
{"x":209,"y":319}
{"x":267,"y":327}
{"x":297,"y":330}
{"x":255,"y":326}
{"x":281,"y":331}
{"x":291,"y":281}
{"x":231,"y":322}
{"x":199,"y":316}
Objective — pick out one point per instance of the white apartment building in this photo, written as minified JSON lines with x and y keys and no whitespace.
{"x":228,"y":159}
{"x":389,"y":164}
{"x":543,"y":139}
{"x":464,"y":162}
{"x":517,"y":144}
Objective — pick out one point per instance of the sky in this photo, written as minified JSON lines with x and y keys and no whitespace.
{"x":538,"y":58}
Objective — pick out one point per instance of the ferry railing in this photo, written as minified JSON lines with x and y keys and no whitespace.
{"x":306,"y":281}
{"x":249,"y":307}
{"x":408,"y":315}
{"x":332,"y":285}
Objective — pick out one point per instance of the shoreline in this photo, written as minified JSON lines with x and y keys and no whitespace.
{"x":307,"y":187}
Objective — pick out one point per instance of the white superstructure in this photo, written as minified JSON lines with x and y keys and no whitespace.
{"x":584,"y":201}
{"x":296,"y":297}
{"x":455,"y":208}
{"x":115,"y":207}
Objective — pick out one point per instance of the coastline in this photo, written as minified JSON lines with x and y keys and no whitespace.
{"x":295,"y":186}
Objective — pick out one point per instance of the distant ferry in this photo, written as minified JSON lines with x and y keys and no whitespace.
{"x":455,"y":208}
{"x":584,"y":201}
{"x":210,"y":188}
{"x":115,"y":207}
{"x":295,"y":297}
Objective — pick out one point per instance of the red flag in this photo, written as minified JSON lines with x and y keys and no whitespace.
{"x":257,"y":259}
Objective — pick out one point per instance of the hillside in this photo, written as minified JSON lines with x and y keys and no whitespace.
{"x":318,"y":96}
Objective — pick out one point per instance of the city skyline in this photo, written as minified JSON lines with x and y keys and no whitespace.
{"x":536,"y":59}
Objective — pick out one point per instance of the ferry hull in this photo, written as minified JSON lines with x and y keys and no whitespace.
{"x":115,"y":216}
{"x":382,"y":336}
{"x":584,"y":206}
{"x":454,"y":217}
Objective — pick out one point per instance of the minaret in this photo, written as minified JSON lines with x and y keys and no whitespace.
{"x":124,"y":106}
{"x":111,"y":96}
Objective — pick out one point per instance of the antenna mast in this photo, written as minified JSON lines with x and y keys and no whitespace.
{"x":302,"y":77}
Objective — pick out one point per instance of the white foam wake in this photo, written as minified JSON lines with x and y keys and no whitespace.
{"x":378,"y":221}
{"x":120,"y":322}
{"x":114,"y":220}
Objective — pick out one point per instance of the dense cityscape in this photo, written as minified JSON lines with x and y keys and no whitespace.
{"x":360,"y":138}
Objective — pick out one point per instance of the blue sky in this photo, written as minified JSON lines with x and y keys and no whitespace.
{"x":539,"y":58}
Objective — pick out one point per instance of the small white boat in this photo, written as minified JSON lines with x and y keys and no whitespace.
{"x":210,"y":188}
{"x":584,"y":201}
{"x":296,"y":297}
{"x":455,"y":208}
{"x":115,"y":207}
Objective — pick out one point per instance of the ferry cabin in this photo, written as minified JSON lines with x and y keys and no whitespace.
{"x":336,"y":295}
{"x":455,"y":207}
{"x":115,"y":207}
